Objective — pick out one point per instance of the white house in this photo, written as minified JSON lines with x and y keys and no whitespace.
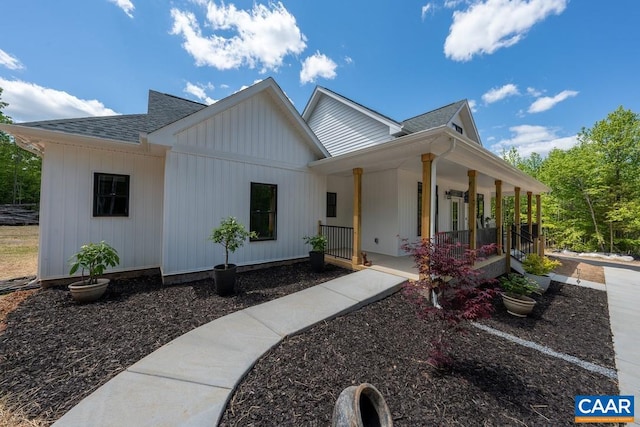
{"x":154,"y":185}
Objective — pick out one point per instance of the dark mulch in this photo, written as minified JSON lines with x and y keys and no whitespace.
{"x":55,"y":352}
{"x":569,"y":319}
{"x":493,"y":382}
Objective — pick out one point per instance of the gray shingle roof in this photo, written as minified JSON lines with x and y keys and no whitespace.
{"x":432,"y":119}
{"x":162,"y":110}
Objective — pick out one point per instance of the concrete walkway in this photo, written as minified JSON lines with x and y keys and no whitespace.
{"x":188,"y":381}
{"x":623,"y":297}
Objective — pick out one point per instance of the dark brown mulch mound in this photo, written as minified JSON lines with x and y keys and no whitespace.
{"x":55,"y":352}
{"x":494,"y":382}
{"x":569,"y":319}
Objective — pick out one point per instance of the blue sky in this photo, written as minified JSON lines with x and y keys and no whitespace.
{"x":535,"y":71}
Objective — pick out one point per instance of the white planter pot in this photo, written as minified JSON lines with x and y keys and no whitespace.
{"x":542,"y":281}
{"x":83,"y":292}
{"x":518,"y":305}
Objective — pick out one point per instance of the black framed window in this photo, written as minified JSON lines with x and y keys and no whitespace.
{"x":458,"y":128}
{"x":332,"y":205}
{"x":263,"y":220}
{"x":110,"y":194}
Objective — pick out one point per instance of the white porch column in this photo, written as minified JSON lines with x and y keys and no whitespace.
{"x":356,"y":257}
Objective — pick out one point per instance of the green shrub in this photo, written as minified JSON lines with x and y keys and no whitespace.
{"x":535,"y":264}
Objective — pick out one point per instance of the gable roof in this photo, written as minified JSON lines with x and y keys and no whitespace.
{"x":320,"y":91}
{"x":162,"y":135}
{"x":163,"y":109}
{"x":432,"y":119}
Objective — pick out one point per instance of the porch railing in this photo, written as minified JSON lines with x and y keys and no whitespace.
{"x":486,"y":236}
{"x":459,"y":238}
{"x":339,"y":240}
{"x":522,"y":244}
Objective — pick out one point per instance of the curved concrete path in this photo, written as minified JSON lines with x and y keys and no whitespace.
{"x":188,"y":381}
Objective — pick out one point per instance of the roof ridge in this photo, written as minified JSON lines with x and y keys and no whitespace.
{"x":435,"y":109}
{"x":359,"y":104}
{"x":177,"y":97}
{"x":76,"y":119}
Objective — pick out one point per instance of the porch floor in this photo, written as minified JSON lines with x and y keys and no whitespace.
{"x":404,"y":266}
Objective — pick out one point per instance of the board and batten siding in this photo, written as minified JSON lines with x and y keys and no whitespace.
{"x":380,"y":212}
{"x":209,"y":172}
{"x":66,"y":208}
{"x":343,"y":187}
{"x":342,"y":129}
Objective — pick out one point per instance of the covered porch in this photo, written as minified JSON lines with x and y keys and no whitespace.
{"x":431,"y":184}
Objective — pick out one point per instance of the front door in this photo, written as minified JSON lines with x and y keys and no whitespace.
{"x":455,"y":214}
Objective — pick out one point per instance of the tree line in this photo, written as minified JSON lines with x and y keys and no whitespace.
{"x":19,"y":169}
{"x":594,"y":203}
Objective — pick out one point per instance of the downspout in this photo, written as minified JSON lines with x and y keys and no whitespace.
{"x":433,"y":183}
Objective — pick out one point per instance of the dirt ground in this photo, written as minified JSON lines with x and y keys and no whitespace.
{"x":18,"y":251}
{"x":579,"y":269}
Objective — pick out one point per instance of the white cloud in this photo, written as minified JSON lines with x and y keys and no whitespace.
{"x":533,"y":92}
{"x":348,"y":60}
{"x":317,"y":65}
{"x":451,"y":4}
{"x":425,"y":9}
{"x":262,"y":36}
{"x":548,"y":102}
{"x":473,"y":105}
{"x":9,"y":61}
{"x":499,"y":93}
{"x":490,"y":25}
{"x":530,"y":139}
{"x":199,"y":91}
{"x":30,"y":102}
{"x":126,"y":6}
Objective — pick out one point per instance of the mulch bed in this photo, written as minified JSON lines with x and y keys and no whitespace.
{"x":493,"y":382}
{"x":54,"y":352}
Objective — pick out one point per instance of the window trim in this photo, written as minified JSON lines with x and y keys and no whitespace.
{"x":273,"y":212}
{"x":96,"y":195}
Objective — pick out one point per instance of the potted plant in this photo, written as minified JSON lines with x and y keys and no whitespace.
{"x":95,"y":258}
{"x":231,"y":235}
{"x":316,"y":255}
{"x":516,"y":296}
{"x":538,"y":267}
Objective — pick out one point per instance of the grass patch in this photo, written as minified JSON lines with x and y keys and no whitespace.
{"x":18,"y":251}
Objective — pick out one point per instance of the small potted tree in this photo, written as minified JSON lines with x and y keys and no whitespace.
{"x":95,"y":258}
{"x":231,"y":235}
{"x":316,"y":255}
{"x":538,"y":267}
{"x":516,"y":296}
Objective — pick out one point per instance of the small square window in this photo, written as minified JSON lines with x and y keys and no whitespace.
{"x":332,"y":205}
{"x":457,"y":128}
{"x":110,"y":194}
{"x":263,"y":202}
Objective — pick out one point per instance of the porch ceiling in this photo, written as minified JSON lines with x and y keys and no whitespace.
{"x":405,"y":153}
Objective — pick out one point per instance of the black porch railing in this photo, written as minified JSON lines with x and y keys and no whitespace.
{"x":339,"y":241}
{"x":522,"y":243}
{"x":458,"y":239}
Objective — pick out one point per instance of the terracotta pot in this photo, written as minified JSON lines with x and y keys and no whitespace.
{"x":361,"y":406}
{"x":518,"y":305}
{"x":225,"y":279}
{"x":83,"y":292}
